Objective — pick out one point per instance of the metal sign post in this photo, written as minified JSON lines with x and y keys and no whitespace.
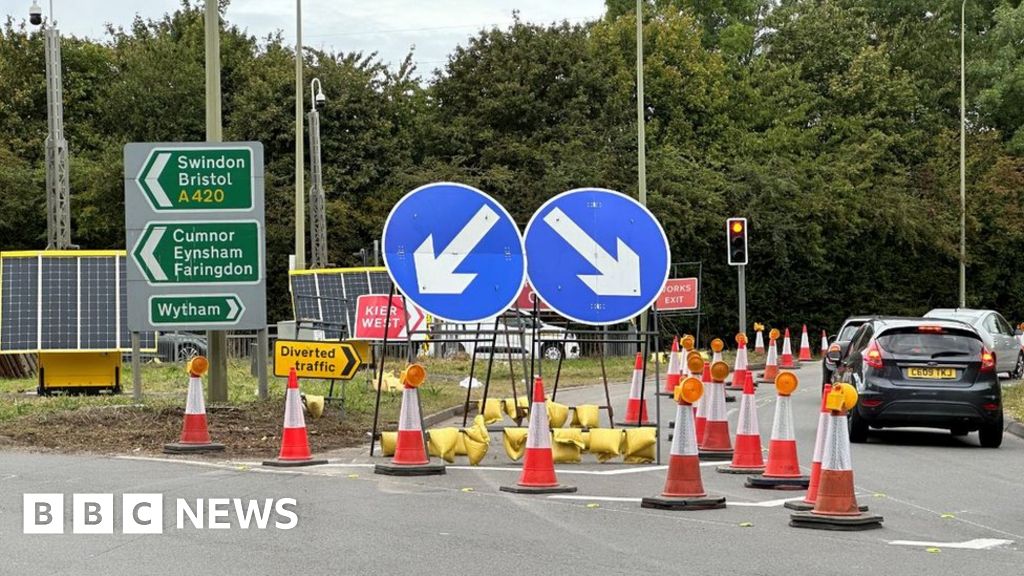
{"x":741,"y":273}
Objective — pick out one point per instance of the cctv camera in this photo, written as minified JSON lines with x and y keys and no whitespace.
{"x":320,"y":98}
{"x":35,"y":14}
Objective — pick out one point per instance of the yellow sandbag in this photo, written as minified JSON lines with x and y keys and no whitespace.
{"x":478,"y":431}
{"x":515,"y":442}
{"x":390,"y":383}
{"x":557,"y":414}
{"x":605,"y":443}
{"x":475,"y":450}
{"x":442,"y":443}
{"x":388,"y":442}
{"x":587,"y":416}
{"x":460,"y":444}
{"x":566,"y":444}
{"x":492,"y":411}
{"x":586,"y":440}
{"x":640,"y":445}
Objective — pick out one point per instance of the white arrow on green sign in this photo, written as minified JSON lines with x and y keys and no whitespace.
{"x":197,"y":179}
{"x":216,"y":252}
{"x":191,"y":309}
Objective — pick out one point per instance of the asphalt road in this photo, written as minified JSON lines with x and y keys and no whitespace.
{"x":931,"y":488}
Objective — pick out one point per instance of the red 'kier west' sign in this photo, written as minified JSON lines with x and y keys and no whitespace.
{"x":372,"y":312}
{"x":679,"y":294}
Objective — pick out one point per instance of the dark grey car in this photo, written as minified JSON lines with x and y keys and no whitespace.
{"x":922,"y":372}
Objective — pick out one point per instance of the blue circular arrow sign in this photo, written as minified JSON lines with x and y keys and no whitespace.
{"x":455,"y":252}
{"x":596,"y":256}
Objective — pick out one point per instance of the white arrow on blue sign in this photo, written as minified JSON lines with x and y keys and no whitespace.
{"x":455,"y":252}
{"x":596,"y":256}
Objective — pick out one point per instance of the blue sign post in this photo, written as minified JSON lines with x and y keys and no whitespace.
{"x":455,"y":252}
{"x":596,"y":256}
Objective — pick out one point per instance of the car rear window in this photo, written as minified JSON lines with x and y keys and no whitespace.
{"x":848,"y":330}
{"x":913,"y":342}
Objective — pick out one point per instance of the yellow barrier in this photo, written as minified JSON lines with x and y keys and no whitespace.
{"x":442,"y":443}
{"x":606,"y":443}
{"x":640,"y":445}
{"x":587,"y":416}
{"x":566,"y":445}
{"x":492,"y":411}
{"x":388,"y":441}
{"x":515,"y":442}
{"x":557,"y":414}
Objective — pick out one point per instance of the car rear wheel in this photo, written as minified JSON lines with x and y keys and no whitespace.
{"x":1018,"y":369}
{"x":858,"y":428}
{"x":991,"y":435}
{"x":552,"y":352}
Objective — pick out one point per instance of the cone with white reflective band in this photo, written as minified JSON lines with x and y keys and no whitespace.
{"x":836,"y":507}
{"x":672,"y":374}
{"x":786,"y":359}
{"x":195,"y":436}
{"x":294,"y":441}
{"x":538,"y":475}
{"x":700,"y":410}
{"x":717,"y":444}
{"x":771,"y":362}
{"x":759,"y":342}
{"x":805,"y":346}
{"x":684,"y":488}
{"x":636,"y":405}
{"x":410,"y":457}
{"x":747,"y":457}
{"x":739,"y":373}
{"x":824,"y":343}
{"x":782,"y":471}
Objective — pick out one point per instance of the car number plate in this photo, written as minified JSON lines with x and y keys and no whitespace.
{"x":932,"y":373}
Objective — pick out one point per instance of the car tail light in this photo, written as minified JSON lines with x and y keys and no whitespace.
{"x":871,"y":403}
{"x":873,"y":355}
{"x":988,"y":360}
{"x":990,"y":406}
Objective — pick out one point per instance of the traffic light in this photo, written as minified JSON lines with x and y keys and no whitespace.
{"x":736,"y":234}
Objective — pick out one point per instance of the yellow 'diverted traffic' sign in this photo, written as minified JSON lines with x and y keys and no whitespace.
{"x":327,"y":360}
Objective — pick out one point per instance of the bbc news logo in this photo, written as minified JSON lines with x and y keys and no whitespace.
{"x":144,"y":514}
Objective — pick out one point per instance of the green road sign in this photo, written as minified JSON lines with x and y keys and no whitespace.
{"x":191,"y":310}
{"x":217,"y":252}
{"x":198,"y":179}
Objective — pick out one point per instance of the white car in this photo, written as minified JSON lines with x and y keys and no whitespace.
{"x":995,"y":331}
{"x":515,"y":337}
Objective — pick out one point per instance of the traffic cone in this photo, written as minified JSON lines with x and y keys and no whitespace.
{"x":836,"y":505}
{"x":672,"y":373}
{"x":716,"y":444}
{"x":636,"y":406}
{"x":786,"y":360}
{"x":759,"y":341}
{"x":294,"y":442}
{"x":739,"y":374}
{"x":771,"y":361}
{"x":700,"y":411}
{"x":684,"y":488}
{"x":824,"y":343}
{"x":782,"y":471}
{"x":410,"y":457}
{"x":805,"y":346}
{"x":195,"y":437}
{"x":747,"y":458}
{"x":538,"y":476}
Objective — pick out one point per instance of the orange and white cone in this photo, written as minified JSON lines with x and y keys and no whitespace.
{"x":538,"y":476}
{"x":684,"y":488}
{"x":294,"y":441}
{"x":836,"y":505}
{"x":739,"y":373}
{"x":805,"y":346}
{"x":717,"y":445}
{"x":636,"y":405}
{"x":410,"y":457}
{"x":672,"y":373}
{"x":195,"y":436}
{"x":700,"y":411}
{"x":759,"y":342}
{"x":782,"y":472}
{"x":786,"y":360}
{"x":771,"y":362}
{"x":747,"y":458}
{"x":824,"y":343}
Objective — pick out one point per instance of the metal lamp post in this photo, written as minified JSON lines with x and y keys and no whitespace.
{"x":300,"y":209}
{"x":963,"y":162}
{"x":317,"y":200}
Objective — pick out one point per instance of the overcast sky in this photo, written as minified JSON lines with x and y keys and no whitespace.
{"x":389,"y":27}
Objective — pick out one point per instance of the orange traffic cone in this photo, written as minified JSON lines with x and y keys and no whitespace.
{"x":824,"y":343}
{"x":747,"y":459}
{"x":771,"y":362}
{"x":805,"y":346}
{"x":410,"y":457}
{"x":684,"y":489}
{"x":739,"y":374}
{"x":786,"y":360}
{"x":782,"y":471}
{"x":636,"y":406}
{"x":294,"y":442}
{"x":836,"y":505}
{"x":750,"y":379}
{"x":195,"y":437}
{"x":716,"y":444}
{"x":672,"y":373}
{"x":538,"y":476}
{"x":759,"y":342}
{"x":700,"y":411}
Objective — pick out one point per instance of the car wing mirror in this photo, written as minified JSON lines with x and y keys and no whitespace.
{"x":835,"y":353}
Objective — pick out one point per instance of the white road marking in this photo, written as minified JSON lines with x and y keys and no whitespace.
{"x":765,"y":504}
{"x":976,"y":544}
{"x":616,"y":472}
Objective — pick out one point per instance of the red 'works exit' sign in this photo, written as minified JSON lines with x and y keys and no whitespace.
{"x":372,"y":315}
{"x":679,"y":294}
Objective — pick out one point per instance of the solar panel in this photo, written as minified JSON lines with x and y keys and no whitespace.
{"x":328,"y":297}
{"x":65,"y":301}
